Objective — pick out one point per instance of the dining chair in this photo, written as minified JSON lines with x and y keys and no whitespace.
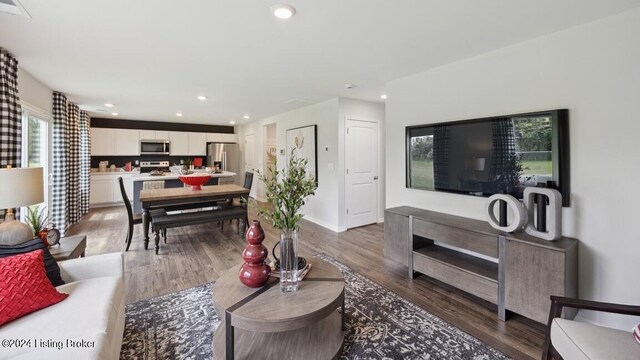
{"x":248,"y":182}
{"x":132,"y":218}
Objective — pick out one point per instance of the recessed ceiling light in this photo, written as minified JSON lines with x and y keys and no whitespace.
{"x":383,"y":96}
{"x":179,"y":114}
{"x":232,"y":122}
{"x":247,"y":117}
{"x":108,"y":105}
{"x":114,"y":114}
{"x":202,"y":97}
{"x":283,"y":11}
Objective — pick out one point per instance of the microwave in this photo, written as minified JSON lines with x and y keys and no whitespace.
{"x":154,"y":147}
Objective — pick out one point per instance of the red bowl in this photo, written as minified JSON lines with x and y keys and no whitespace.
{"x":195,"y":181}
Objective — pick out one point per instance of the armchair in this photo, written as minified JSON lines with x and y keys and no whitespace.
{"x":568,"y":339}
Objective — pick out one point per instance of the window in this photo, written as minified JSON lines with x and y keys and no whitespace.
{"x":35,"y":144}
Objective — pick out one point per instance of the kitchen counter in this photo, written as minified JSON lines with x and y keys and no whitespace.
{"x":114,"y":172}
{"x":169,"y":176}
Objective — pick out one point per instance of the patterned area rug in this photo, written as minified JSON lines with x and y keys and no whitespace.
{"x":380,"y":325}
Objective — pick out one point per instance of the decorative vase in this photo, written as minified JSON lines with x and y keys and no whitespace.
{"x":288,"y":260}
{"x":254,"y":272}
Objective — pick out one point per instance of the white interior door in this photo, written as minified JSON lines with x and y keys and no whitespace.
{"x":361,"y":153}
{"x":249,"y":159}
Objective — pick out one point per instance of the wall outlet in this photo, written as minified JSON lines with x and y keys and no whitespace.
{"x":330,"y":166}
{"x":137,"y":162}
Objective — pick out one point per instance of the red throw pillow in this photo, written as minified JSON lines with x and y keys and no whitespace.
{"x":24,"y":286}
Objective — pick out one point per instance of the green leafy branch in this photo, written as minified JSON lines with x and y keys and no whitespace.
{"x":286,"y":191}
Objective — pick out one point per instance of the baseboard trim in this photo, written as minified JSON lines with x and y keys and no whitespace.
{"x":325,"y":224}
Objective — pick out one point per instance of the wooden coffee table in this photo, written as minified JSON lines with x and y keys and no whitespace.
{"x":69,"y":247}
{"x":264,"y":323}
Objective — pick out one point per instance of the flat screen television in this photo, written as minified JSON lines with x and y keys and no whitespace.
{"x":500,"y":154}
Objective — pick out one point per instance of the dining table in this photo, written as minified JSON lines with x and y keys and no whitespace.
{"x":185,"y":198}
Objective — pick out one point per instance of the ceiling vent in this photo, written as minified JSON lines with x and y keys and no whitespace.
{"x":13,"y":7}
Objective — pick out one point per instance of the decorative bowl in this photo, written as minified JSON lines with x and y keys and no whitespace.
{"x":195,"y":180}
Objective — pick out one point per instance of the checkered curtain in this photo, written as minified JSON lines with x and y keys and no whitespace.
{"x":441,"y":139}
{"x":85,"y":161}
{"x":70,"y":168}
{"x":10,"y":114}
{"x":504,"y":146}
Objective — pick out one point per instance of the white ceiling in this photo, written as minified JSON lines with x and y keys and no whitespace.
{"x":153,"y":57}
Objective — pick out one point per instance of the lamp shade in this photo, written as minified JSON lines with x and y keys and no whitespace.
{"x":21,"y":187}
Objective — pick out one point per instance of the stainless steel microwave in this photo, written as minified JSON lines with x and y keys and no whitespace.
{"x":155,"y":147}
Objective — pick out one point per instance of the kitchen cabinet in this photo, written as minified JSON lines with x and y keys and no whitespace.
{"x":102,"y":141}
{"x":197,"y":144}
{"x":154,"y":135}
{"x":226,"y":138}
{"x":179,"y":143}
{"x":105,"y":188}
{"x":127,"y":142}
{"x":101,"y":190}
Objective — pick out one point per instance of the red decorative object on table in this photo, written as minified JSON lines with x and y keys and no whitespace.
{"x":254,"y":272}
{"x":195,"y":180}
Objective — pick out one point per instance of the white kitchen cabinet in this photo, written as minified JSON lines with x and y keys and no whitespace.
{"x":102,"y":141}
{"x":147,"y":134}
{"x":127,"y":142}
{"x":162,"y":135}
{"x":179,"y":143}
{"x":128,"y":188}
{"x":154,"y":135}
{"x":217,"y":137}
{"x":197,"y":143}
{"x":101,"y":190}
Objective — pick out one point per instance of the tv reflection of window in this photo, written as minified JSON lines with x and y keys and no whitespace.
{"x":515,"y":151}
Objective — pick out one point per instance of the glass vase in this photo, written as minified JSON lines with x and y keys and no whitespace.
{"x":288,"y":261}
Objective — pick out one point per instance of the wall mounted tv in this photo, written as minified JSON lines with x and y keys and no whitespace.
{"x":500,"y":154}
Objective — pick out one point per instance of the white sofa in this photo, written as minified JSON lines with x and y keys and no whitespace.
{"x":88,"y":324}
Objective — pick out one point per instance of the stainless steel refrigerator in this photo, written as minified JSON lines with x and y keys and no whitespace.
{"x":227,"y":156}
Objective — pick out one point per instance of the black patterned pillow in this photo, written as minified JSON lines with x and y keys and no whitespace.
{"x":50,"y":264}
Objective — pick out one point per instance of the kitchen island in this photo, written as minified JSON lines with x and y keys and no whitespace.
{"x":170,"y":181}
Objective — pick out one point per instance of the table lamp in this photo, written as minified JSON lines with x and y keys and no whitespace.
{"x":18,"y":187}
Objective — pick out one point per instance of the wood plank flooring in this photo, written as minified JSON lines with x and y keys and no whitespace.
{"x":200,"y":254}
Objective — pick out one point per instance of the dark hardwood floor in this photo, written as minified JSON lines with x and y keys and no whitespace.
{"x":199,"y":254}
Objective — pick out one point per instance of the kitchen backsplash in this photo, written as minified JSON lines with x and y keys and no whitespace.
{"x":119,"y":161}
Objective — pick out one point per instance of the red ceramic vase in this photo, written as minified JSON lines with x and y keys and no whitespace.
{"x":254,"y":272}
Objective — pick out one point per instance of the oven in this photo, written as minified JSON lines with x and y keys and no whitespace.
{"x":154,"y":147}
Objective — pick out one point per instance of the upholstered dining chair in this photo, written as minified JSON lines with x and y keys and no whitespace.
{"x":132,"y":218}
{"x":570,"y":339}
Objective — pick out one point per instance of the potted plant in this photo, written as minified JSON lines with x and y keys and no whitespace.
{"x":37,"y":220}
{"x":286,"y":191}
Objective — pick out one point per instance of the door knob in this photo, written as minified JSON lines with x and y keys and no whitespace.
{"x":375,"y":178}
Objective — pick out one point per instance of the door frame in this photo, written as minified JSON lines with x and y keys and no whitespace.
{"x":379,"y":166}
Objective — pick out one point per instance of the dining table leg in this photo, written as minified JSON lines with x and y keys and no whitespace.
{"x":146,"y":217}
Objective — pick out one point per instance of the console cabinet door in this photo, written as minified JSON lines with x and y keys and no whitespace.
{"x":532,"y":275}
{"x":396,"y":235}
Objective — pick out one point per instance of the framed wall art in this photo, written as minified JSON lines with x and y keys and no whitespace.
{"x":304,"y":139}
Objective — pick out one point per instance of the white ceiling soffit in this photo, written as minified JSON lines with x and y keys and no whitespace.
{"x":13,"y":7}
{"x":152,"y":58}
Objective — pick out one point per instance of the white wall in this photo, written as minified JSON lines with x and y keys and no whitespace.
{"x":360,"y":110}
{"x":34,"y":92}
{"x":594,"y":71}
{"x":322,"y":207}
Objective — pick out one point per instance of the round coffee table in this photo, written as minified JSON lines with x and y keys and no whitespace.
{"x":263,"y":323}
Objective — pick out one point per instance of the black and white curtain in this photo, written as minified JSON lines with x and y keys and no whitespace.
{"x":504,"y":147}
{"x":10,"y":114}
{"x":71,"y":163}
{"x":441,"y":140}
